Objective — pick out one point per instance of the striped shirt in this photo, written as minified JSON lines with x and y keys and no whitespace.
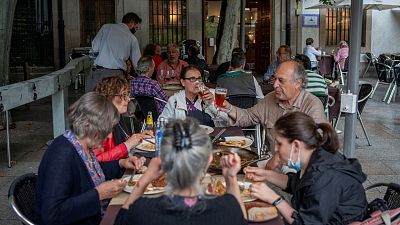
{"x":316,"y":84}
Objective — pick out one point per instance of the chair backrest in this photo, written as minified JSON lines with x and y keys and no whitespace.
{"x":242,"y":101}
{"x":363,"y":95}
{"x":21,"y":197}
{"x":346,"y":64}
{"x":147,"y":104}
{"x":392,"y":194}
{"x":383,"y":71}
{"x":371,"y":57}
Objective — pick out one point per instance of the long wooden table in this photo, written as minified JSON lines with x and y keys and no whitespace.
{"x":116,"y":203}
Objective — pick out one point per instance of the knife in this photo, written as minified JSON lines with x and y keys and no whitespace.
{"x":218,"y":135}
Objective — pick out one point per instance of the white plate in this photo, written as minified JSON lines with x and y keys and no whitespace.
{"x":248,"y":141}
{"x":242,"y":185}
{"x":207,"y":129}
{"x":129,"y":189}
{"x":147,"y":146}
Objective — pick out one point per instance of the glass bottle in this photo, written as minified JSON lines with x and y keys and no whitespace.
{"x":149,"y":122}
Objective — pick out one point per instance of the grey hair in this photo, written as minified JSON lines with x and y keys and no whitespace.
{"x":145,"y":64}
{"x":93,"y":117}
{"x":184,"y":164}
{"x":172,"y":45}
{"x":299,"y":73}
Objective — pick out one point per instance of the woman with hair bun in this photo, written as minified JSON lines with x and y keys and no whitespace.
{"x":327,"y":188}
{"x":184,"y":158}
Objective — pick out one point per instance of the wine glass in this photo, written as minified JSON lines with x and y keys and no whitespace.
{"x":220,"y":96}
{"x":201,"y":88}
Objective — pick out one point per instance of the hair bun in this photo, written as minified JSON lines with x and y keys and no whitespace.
{"x":182,"y":139}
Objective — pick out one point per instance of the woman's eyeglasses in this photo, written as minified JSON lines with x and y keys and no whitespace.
{"x":124,"y":96}
{"x":193,"y":79}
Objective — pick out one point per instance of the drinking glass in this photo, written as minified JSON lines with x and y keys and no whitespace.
{"x":201,"y":88}
{"x":220,"y":95}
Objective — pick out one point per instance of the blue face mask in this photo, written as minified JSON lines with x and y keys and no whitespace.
{"x":296,"y":166}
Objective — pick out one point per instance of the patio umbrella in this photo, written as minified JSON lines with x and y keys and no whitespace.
{"x":367,"y":4}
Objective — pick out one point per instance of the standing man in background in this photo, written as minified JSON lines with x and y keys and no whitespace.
{"x":113,"y":45}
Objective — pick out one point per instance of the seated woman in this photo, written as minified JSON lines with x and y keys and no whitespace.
{"x":342,"y":54}
{"x":117,"y":145}
{"x":327,"y":188}
{"x":185,"y":156}
{"x":71,"y":186}
{"x":188,"y":103}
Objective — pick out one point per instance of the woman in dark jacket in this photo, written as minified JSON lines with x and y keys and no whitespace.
{"x":327,"y":188}
{"x":71,"y":186}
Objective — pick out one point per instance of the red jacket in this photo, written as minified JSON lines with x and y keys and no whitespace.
{"x":111,"y":151}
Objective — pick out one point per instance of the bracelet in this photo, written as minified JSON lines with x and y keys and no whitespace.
{"x":278,"y":201}
{"x":230,"y":108}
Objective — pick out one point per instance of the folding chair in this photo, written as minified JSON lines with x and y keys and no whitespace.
{"x":372,"y":59}
{"x":244,"y":102}
{"x":21,"y":197}
{"x":364,"y":93}
{"x":392,"y":193}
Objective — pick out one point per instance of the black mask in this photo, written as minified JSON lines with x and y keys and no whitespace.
{"x":133,"y":30}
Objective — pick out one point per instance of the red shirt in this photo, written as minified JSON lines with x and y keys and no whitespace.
{"x":167,"y":73}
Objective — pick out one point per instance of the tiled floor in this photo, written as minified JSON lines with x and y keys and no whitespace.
{"x":33,"y":129}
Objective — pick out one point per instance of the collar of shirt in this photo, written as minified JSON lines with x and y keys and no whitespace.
{"x":297,"y":102}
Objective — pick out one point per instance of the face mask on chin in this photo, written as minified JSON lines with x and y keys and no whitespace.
{"x":296,"y":166}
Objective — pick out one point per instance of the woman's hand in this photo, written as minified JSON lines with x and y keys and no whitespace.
{"x":230,"y":165}
{"x":153,"y":172}
{"x":132,"y":162}
{"x":255,"y":174}
{"x":110,"y":189}
{"x":208,"y":96}
{"x":136,"y":139}
{"x":263,"y":192}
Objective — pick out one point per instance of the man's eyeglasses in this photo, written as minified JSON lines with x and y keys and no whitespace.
{"x":193,"y":79}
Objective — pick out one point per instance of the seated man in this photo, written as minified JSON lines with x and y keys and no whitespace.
{"x":289,"y":96}
{"x":284,"y":53}
{"x":169,"y":70}
{"x":312,"y":53}
{"x":144,"y":85}
{"x":224,"y":67}
{"x":239,"y":82}
{"x":193,"y":59}
{"x":316,"y":84}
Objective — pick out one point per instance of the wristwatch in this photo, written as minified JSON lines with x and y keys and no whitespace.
{"x":278,"y":201}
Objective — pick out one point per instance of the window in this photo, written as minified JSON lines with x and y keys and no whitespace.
{"x":338,"y":26}
{"x":168,"y":22}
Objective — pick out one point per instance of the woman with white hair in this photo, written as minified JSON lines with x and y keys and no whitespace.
{"x":72,"y":186}
{"x":342,"y":54}
{"x":184,"y":158}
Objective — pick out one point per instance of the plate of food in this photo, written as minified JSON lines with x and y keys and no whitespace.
{"x":218,"y":187}
{"x":207,"y":129}
{"x":236,"y":142}
{"x":260,"y":211}
{"x":155,"y":187}
{"x":147,"y":145}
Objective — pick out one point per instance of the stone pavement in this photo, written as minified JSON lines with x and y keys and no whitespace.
{"x":34,"y":128}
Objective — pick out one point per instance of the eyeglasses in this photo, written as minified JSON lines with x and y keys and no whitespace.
{"x":124,"y":96}
{"x":193,"y":79}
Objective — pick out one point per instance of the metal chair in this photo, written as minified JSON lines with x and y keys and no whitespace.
{"x":394,"y":73}
{"x":372,"y":59}
{"x":364,"y":93}
{"x":244,"y":102}
{"x":392,"y":193}
{"x":21,"y":197}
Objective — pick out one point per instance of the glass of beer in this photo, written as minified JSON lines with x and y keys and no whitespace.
{"x":201,"y":88}
{"x":220,"y":95}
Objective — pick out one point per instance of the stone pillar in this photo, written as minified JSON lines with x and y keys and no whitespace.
{"x":195,"y":20}
{"x":7,"y":9}
{"x":229,"y":37}
{"x":141,"y":8}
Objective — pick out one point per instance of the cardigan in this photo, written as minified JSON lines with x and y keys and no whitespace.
{"x":65,"y":192}
{"x":153,"y":211}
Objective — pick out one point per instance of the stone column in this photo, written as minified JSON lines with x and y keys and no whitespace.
{"x":7,"y":9}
